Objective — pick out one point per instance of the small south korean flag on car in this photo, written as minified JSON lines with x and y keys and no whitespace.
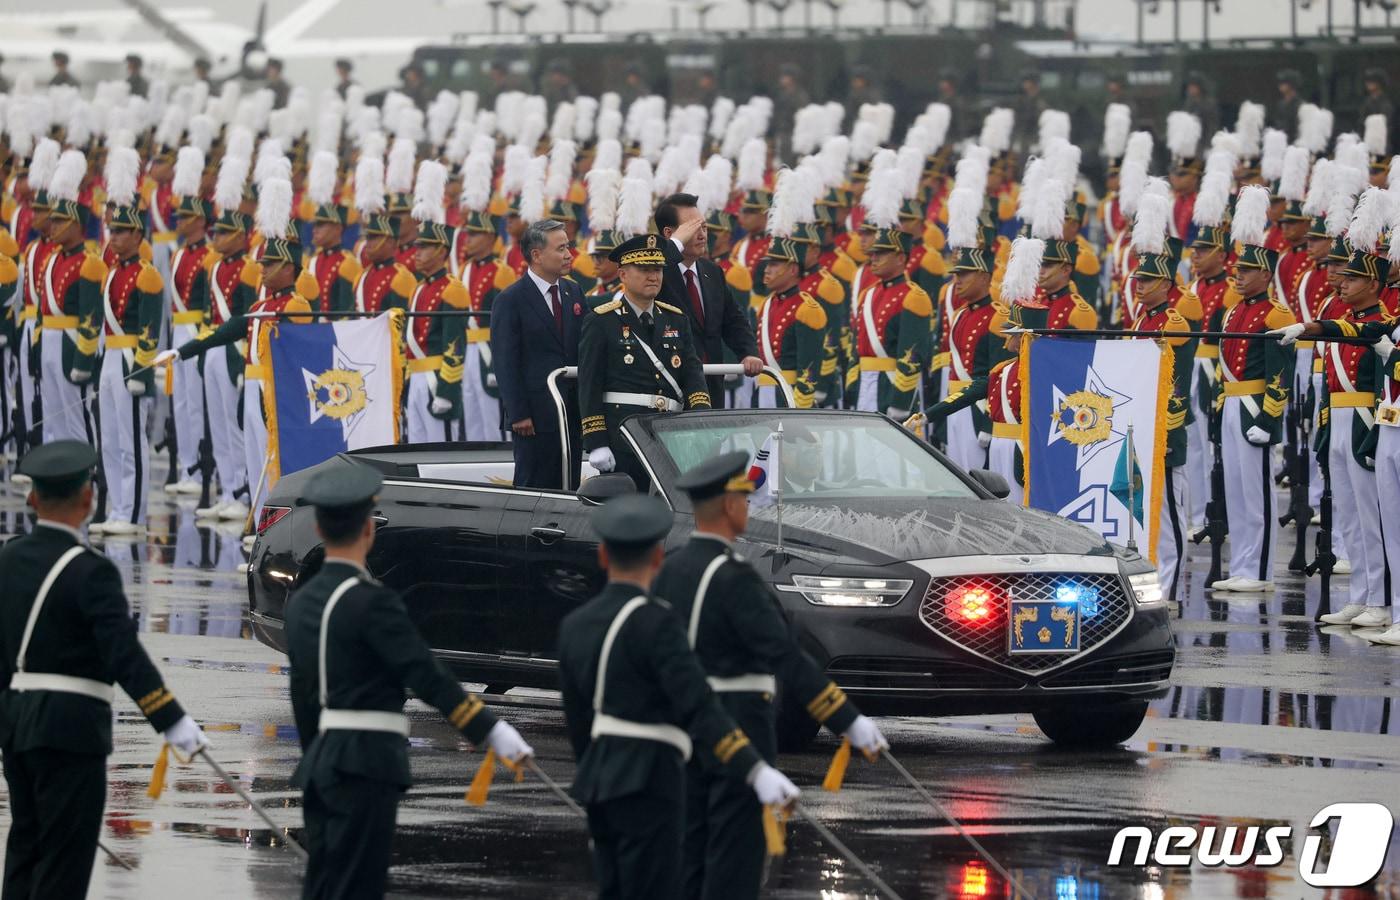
{"x":764,"y":470}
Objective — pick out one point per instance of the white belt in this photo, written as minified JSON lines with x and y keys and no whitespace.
{"x":604,"y":724}
{"x":757,"y":684}
{"x":363,"y":720}
{"x":650,"y":401}
{"x":63,"y":684}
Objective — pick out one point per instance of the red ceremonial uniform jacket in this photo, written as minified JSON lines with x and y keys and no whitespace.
{"x":336,"y":272}
{"x":384,"y":285}
{"x":750,"y":250}
{"x":188,"y":272}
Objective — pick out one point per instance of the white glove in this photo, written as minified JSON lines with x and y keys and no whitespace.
{"x":772,"y":787}
{"x":4,"y":340}
{"x":1257,"y":436}
{"x":166,"y":356}
{"x":984,"y":440}
{"x":1289,"y":334}
{"x":78,"y":376}
{"x":507,"y":742}
{"x":186,"y":737}
{"x":602,"y":459}
{"x":136,"y":388}
{"x":1384,"y":347}
{"x":865,"y":736}
{"x":441,"y":406}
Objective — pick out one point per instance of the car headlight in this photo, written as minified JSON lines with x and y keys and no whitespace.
{"x":1147,"y":589}
{"x":822,"y":590}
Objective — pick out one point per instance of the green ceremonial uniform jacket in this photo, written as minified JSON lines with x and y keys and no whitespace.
{"x":135,"y":299}
{"x":1372,"y":372}
{"x":1266,"y":366}
{"x":611,"y":358}
{"x":652,"y":678}
{"x":84,"y":630}
{"x":742,"y":629}
{"x":75,"y":278}
{"x":374,"y":656}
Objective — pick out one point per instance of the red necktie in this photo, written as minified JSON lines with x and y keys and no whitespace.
{"x":695,"y":302}
{"x":556,"y":308}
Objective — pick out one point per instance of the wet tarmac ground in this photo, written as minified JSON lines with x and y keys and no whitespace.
{"x":1268,"y":721}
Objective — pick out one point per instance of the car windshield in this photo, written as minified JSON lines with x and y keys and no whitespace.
{"x":825,"y":458}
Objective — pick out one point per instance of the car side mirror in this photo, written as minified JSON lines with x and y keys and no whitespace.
{"x":601,"y":488}
{"x":992,"y":482}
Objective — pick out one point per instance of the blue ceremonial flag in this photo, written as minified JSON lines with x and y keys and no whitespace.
{"x":332,"y":387}
{"x":1084,"y":395}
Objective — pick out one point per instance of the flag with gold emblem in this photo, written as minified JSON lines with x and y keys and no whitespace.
{"x":333,"y":387}
{"x":1086,"y":400}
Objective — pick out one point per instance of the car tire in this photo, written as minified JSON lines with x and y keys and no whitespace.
{"x":1092,"y":725}
{"x":796,"y":729}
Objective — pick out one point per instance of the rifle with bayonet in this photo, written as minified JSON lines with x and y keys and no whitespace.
{"x":1323,"y":558}
{"x":1299,"y":512}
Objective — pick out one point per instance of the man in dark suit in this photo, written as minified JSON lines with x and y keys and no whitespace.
{"x":534,"y":330}
{"x":694,"y":283}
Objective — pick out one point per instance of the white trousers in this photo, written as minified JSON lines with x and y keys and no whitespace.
{"x":1172,"y":533}
{"x":225,"y":431}
{"x":869,"y":397}
{"x":255,"y":446}
{"x":187,"y":404}
{"x":767,"y":396}
{"x":481,"y":411}
{"x":67,"y":406}
{"x":1388,"y":492}
{"x":741,"y":396}
{"x":963,"y":448}
{"x":1356,"y":514}
{"x":126,"y":452}
{"x":1198,"y":450}
{"x":1001,"y":458}
{"x":1249,"y":498}
{"x":423,"y":428}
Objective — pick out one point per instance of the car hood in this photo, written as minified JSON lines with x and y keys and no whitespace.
{"x":882,"y":530}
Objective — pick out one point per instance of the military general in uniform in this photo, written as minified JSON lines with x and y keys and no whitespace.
{"x":635,"y":355}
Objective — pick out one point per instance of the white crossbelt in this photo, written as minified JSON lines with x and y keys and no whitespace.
{"x":1367,"y":416}
{"x":751,"y":683}
{"x":650,"y":401}
{"x":47,"y":681}
{"x":350,"y":719}
{"x":604,"y":724}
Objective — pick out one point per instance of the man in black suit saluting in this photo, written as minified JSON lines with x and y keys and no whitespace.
{"x":535,"y":330}
{"x":696,"y":284}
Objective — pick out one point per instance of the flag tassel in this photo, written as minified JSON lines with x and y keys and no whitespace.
{"x":836,"y":772}
{"x":158,"y":771}
{"x":481,"y":782}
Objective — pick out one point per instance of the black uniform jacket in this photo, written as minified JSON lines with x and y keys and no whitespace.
{"x":374,"y":653}
{"x":742,"y":629}
{"x":85,"y":630}
{"x":652,"y":677}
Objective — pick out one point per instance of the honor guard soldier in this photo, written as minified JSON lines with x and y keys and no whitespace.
{"x":233,"y":281}
{"x":355,"y":654}
{"x":36,"y":247}
{"x":189,"y":292}
{"x":609,"y":284}
{"x":975,"y":323}
{"x":792,"y":326}
{"x":892,"y":329}
{"x":636,"y":701}
{"x":1350,"y":386}
{"x":737,"y":629}
{"x":753,"y":219}
{"x":67,"y":635}
{"x":820,"y":282}
{"x":384,"y":282}
{"x":132,"y":298}
{"x":635,"y":355}
{"x":335,"y":269}
{"x":484,"y":276}
{"x":436,"y":343}
{"x":1165,"y":308}
{"x":1255,"y":376}
{"x":70,"y":318}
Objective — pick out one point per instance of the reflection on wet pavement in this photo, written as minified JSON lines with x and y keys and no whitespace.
{"x":1269,"y":720}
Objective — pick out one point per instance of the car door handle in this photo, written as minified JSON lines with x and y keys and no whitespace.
{"x":547,"y":535}
{"x":380,"y":519}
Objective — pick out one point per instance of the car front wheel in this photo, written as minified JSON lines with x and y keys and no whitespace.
{"x":1092,"y":725}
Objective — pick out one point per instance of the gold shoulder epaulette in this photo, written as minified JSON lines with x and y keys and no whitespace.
{"x":611,"y":306}
{"x":669,"y":308}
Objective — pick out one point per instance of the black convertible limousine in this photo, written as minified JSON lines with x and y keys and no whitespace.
{"x":911,"y":582}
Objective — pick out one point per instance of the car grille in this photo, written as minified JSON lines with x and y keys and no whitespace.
{"x":884,"y":672}
{"x":988,"y":639}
